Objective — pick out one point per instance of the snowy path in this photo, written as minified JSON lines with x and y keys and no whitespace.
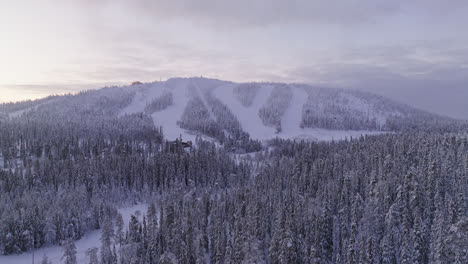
{"x":168,"y":117}
{"x":32,"y":108}
{"x":143,"y":97}
{"x":89,"y":240}
{"x":202,"y":97}
{"x":20,"y":112}
{"x":248,"y":116}
{"x":291,"y":120}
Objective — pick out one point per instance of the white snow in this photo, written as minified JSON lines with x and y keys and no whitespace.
{"x":202,"y":98}
{"x":319,"y":134}
{"x":168,"y":117}
{"x":32,"y":108}
{"x":360,"y":105}
{"x":145,"y":93}
{"x":184,"y":89}
{"x":248,"y":116}
{"x":21,"y":112}
{"x":89,"y":240}
{"x":290,"y":122}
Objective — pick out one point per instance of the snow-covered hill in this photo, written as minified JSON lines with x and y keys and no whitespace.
{"x":223,"y":111}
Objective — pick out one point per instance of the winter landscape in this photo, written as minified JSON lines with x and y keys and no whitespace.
{"x":275,"y":173}
{"x":291,"y":136}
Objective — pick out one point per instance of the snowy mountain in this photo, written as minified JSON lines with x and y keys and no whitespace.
{"x":232,"y":112}
{"x":72,"y":165}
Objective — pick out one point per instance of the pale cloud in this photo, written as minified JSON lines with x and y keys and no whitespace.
{"x":266,"y":12}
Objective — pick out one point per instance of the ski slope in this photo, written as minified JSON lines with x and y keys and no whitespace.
{"x":28,"y":109}
{"x":308,"y":104}
{"x":168,"y":117}
{"x":247,"y":116}
{"x":290,"y":121}
{"x":292,"y":118}
{"x":183,"y":89}
{"x":144,"y":95}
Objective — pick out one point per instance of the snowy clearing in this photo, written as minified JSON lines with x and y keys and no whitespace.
{"x":32,"y":108}
{"x":292,"y":118}
{"x":168,"y":117}
{"x":144,"y":95}
{"x":248,"y":116}
{"x":290,"y":122}
{"x":89,"y":240}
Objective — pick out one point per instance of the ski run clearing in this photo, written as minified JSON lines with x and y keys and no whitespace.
{"x":183,"y":89}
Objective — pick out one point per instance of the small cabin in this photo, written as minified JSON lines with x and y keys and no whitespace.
{"x":187,"y":144}
{"x":176,"y":144}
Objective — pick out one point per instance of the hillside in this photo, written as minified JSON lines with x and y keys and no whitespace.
{"x":235,"y":114}
{"x":72,"y":165}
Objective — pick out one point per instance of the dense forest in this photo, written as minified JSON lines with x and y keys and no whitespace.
{"x":65,"y":170}
{"x":396,"y":198}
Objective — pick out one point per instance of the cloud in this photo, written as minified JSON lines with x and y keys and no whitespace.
{"x":435,"y":81}
{"x":242,"y":13}
{"x":260,"y":12}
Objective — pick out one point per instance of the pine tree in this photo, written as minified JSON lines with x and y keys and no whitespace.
{"x":92,"y":254}
{"x":168,"y":258}
{"x":107,"y":236}
{"x":45,"y":260}
{"x":119,"y":234}
{"x":438,"y":246}
{"x":69,"y":252}
{"x":417,"y":235}
{"x":134,"y":235}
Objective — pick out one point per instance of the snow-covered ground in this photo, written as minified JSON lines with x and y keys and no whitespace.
{"x":360,"y":105}
{"x":22,"y":111}
{"x":168,"y":117}
{"x":290,"y":122}
{"x":182,"y":90}
{"x":55,"y":253}
{"x":319,"y":134}
{"x":248,"y":116}
{"x":203,"y":99}
{"x":144,"y":95}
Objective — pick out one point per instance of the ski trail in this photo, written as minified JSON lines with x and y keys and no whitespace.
{"x":168,"y":117}
{"x":248,"y":116}
{"x":143,"y":96}
{"x":32,"y":108}
{"x":201,"y":95}
{"x":292,"y":118}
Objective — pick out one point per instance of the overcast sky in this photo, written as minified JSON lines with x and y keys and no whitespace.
{"x":413,"y":51}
